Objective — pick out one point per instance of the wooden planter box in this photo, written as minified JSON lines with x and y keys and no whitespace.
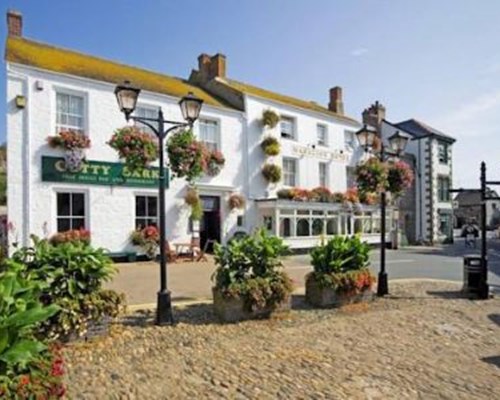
{"x":233,"y":309}
{"x":326,"y":297}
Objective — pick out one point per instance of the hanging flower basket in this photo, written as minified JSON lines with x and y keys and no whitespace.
{"x":270,"y":118}
{"x":138,"y":149}
{"x":399,"y":178}
{"x":369,"y":198}
{"x":236,"y":201}
{"x":192,"y":197}
{"x":371,"y":176}
{"x":271,"y":172}
{"x":215,"y":162}
{"x":270,"y":146}
{"x":148,"y":239}
{"x":74,"y":144}
{"x":187,"y":156}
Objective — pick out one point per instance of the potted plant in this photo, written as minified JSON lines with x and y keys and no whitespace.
{"x":214,"y":162}
{"x":399,"y":178}
{"x":236,"y":201}
{"x":270,"y":146}
{"x":249,"y":281}
{"x":137,"y":148}
{"x":341,"y":275}
{"x":271,"y":172}
{"x":270,"y":118}
{"x":148,"y":239}
{"x":74,"y":144}
{"x":186,"y":155}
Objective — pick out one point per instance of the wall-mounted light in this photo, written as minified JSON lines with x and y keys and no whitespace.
{"x":20,"y":101}
{"x":39,"y":84}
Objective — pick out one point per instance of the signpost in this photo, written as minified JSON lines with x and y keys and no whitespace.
{"x":99,"y":173}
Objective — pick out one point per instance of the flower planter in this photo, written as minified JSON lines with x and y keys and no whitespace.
{"x":325,"y":297}
{"x":233,"y":309}
{"x":73,"y":160}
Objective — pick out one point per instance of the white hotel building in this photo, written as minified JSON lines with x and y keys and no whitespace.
{"x":49,"y":88}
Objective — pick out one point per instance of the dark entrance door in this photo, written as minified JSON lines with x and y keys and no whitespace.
{"x":210,"y":223}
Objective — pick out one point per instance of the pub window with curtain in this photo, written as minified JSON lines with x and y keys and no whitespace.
{"x":209,"y":134}
{"x":70,"y":211}
{"x":146,"y":211}
{"x":69,"y":112}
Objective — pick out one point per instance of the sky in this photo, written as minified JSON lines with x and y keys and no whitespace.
{"x":436,"y":61}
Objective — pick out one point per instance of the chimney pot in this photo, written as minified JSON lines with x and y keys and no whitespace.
{"x":336,"y":104}
{"x":14,"y":23}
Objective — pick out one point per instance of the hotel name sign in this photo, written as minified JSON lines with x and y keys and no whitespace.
{"x":99,"y":173}
{"x":331,"y":155}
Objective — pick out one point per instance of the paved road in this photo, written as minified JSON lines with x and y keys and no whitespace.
{"x":187,"y":280}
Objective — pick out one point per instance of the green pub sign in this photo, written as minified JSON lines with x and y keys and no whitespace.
{"x":99,"y":173}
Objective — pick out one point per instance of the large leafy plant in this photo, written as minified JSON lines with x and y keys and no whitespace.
{"x":342,"y":264}
{"x":340,"y":254}
{"x":20,"y":313}
{"x":250,"y":268}
{"x":74,"y":274}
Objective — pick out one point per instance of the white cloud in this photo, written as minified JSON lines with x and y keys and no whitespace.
{"x":360,"y":51}
{"x":476,"y":126}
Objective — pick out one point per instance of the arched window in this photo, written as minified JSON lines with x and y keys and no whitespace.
{"x":303,"y":227}
{"x":332,"y":227}
{"x":317,"y":227}
{"x":285,"y":227}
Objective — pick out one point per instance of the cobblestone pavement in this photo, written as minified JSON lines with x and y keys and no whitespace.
{"x":423,"y":342}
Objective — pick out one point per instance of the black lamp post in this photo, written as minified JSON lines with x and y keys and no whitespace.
{"x":397,"y":142}
{"x":190,"y":105}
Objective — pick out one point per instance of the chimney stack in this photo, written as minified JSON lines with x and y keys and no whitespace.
{"x":14,"y":23}
{"x":374,"y":115}
{"x":336,"y":104}
{"x":211,"y":67}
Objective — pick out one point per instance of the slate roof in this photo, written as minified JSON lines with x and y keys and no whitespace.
{"x":40,"y":55}
{"x":288,"y":100}
{"x":420,"y":130}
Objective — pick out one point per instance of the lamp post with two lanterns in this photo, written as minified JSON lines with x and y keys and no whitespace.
{"x":397,"y":144}
{"x":190,"y":106}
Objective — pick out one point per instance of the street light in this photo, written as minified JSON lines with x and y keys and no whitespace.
{"x":397,"y":143}
{"x":190,"y":105}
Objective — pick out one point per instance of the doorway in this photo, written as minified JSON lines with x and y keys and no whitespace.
{"x":210,"y":223}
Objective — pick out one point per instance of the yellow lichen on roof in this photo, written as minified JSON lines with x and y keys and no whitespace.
{"x":267,"y":94}
{"x":39,"y":55}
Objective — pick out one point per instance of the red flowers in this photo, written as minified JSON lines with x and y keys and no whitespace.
{"x":151,"y":232}
{"x":69,"y":140}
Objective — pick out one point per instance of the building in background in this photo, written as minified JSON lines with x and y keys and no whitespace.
{"x":468,"y":208}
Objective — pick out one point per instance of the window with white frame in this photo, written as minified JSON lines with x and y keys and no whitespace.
{"x":350,"y":173}
{"x":145,"y":112}
{"x":209,"y":133}
{"x":443,"y":183}
{"x":322,"y":133}
{"x":70,"y":211}
{"x":146,"y":211}
{"x":323,"y":174}
{"x":349,"y":140}
{"x":443,"y":152}
{"x":290,"y":172}
{"x":70,"y":112}
{"x":287,"y":127}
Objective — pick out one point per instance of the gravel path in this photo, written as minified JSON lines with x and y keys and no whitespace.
{"x":421,"y":343}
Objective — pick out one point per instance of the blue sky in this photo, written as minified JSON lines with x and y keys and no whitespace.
{"x":437,"y":61}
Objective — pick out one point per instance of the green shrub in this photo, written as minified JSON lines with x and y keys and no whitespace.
{"x":250,"y":268}
{"x":270,"y":118}
{"x":74,"y":273}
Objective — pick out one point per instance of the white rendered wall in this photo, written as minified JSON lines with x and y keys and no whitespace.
{"x":110,"y":210}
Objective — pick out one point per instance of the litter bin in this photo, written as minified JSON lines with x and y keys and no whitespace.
{"x":472,"y":274}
